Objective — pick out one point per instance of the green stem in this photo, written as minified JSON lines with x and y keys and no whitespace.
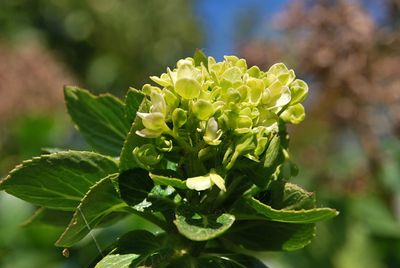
{"x":195,"y":167}
{"x":209,"y":200}
{"x":197,"y":248}
{"x":186,"y":146}
{"x":231,"y":189}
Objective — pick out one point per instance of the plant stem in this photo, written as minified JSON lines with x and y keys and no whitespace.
{"x":231,"y":189}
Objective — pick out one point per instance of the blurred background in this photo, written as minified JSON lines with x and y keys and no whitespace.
{"x":347,"y":150}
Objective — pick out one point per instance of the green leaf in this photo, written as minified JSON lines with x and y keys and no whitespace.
{"x":266,"y":235}
{"x":101,"y":204}
{"x":117,"y":261}
{"x":135,"y":185}
{"x":150,"y":249}
{"x":51,"y":217}
{"x":156,"y":258}
{"x":216,"y":260}
{"x":138,"y":242}
{"x":283,"y":202}
{"x":127,"y":159}
{"x":202,"y":227}
{"x":232,"y":260}
{"x":58,"y":181}
{"x":255,"y":172}
{"x":133,"y":100}
{"x":100,"y":119}
{"x":272,"y":152}
{"x":289,"y":196}
{"x":163,"y":198}
{"x":138,"y":191}
{"x":199,"y":57}
{"x":164,"y":180}
{"x":285,"y":214}
{"x":167,"y":180}
{"x":294,"y":114}
{"x":251,"y":208}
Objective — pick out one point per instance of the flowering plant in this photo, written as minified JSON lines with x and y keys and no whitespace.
{"x":203,"y":155}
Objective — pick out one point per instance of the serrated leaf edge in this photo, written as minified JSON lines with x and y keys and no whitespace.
{"x":72,"y":222}
{"x":47,"y":156}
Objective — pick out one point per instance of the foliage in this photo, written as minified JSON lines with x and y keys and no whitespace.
{"x":204,"y":156}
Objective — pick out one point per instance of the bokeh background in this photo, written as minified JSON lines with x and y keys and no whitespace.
{"x":348,"y":149}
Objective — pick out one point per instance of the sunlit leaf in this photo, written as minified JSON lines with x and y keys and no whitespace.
{"x":135,"y":185}
{"x":165,"y":180}
{"x":117,"y":261}
{"x":139,"y":248}
{"x":199,"y":57}
{"x":127,"y":159}
{"x":60,"y":180}
{"x":266,"y":235}
{"x":202,"y":227}
{"x":133,"y":100}
{"x":101,"y":204}
{"x":100,"y":119}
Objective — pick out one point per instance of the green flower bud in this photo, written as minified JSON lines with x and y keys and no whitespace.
{"x":204,"y":153}
{"x":188,"y":88}
{"x":171,"y":99}
{"x":172,"y":75}
{"x":203,"y":109}
{"x":299,"y":91}
{"x":147,"y":155}
{"x":148,"y":89}
{"x":243,"y":92}
{"x":267,"y":120}
{"x":247,"y":112}
{"x":256,"y":88}
{"x":164,"y":145}
{"x":185,"y":62}
{"x":241,"y":63}
{"x":231,"y":59}
{"x":147,"y":133}
{"x":254,"y":71}
{"x":261,"y":145}
{"x":233,"y":75}
{"x":244,"y":124}
{"x":229,"y":119}
{"x":153,"y":121}
{"x":294,"y":114}
{"x":179,"y":118}
{"x":233,"y":95}
{"x":244,"y":145}
{"x":212,"y":133}
{"x":281,"y":72}
{"x":276,"y":95}
{"x":158,"y":104}
{"x":164,"y":80}
{"x":154,"y":124}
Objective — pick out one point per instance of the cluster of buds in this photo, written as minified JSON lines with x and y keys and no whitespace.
{"x":215,"y":107}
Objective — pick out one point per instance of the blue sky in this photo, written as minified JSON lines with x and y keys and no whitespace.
{"x":220,"y":20}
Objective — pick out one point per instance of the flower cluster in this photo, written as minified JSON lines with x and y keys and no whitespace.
{"x":202,"y":107}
